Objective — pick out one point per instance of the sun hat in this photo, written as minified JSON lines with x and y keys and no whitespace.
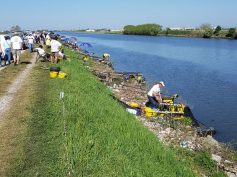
{"x":162,"y":83}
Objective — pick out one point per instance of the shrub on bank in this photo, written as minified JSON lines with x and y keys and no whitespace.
{"x":232,"y":33}
{"x":146,"y":29}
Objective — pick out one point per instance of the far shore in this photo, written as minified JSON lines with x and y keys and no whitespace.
{"x":163,"y":35}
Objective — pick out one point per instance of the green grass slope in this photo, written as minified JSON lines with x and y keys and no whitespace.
{"x":102,"y":138}
{"x":96,"y":137}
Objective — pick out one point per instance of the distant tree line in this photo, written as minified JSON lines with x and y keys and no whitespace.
{"x":204,"y":31}
{"x":232,"y":33}
{"x":15,"y":28}
{"x":218,"y":31}
{"x":146,"y":29}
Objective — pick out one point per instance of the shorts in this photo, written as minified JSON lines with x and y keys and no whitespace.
{"x":16,"y":52}
{"x":54,"y":54}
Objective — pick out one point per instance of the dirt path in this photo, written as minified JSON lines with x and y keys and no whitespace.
{"x":8,"y":97}
{"x":2,"y":68}
{"x":13,"y":118}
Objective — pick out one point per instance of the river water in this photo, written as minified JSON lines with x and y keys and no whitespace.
{"x":202,"y":71}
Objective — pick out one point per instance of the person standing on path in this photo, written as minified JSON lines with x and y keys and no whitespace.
{"x":16,"y":45}
{"x":30,"y":42}
{"x":6,"y":49}
{"x":42,"y":39}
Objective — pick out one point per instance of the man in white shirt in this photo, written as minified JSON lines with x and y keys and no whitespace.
{"x":154,"y":95}
{"x":16,"y":45}
{"x":55,"y":47}
{"x":30,"y":39}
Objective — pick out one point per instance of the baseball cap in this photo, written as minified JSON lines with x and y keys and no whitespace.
{"x":162,"y":83}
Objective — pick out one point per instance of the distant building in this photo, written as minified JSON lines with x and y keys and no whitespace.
{"x":103,"y":30}
{"x":116,"y":30}
{"x":189,"y":28}
{"x":90,"y":30}
{"x":182,"y":28}
{"x":175,"y":28}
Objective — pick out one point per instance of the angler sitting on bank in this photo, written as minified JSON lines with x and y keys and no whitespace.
{"x":106,"y":56}
{"x":42,"y":54}
{"x":154,"y":95}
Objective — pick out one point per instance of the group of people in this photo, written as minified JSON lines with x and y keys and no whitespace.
{"x":51,"y":42}
{"x":14,"y":45}
{"x":11,"y":47}
{"x":54,"y":45}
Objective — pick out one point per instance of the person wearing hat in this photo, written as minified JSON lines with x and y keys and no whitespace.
{"x":154,"y":95}
{"x":106,"y":56}
{"x":16,"y":45}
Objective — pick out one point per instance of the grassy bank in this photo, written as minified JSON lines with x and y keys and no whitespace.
{"x":102,"y":139}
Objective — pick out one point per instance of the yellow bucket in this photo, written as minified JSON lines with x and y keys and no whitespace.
{"x":86,"y":59}
{"x":53,"y":74}
{"x":61,"y":75}
{"x":150,"y":112}
{"x":134,"y":105}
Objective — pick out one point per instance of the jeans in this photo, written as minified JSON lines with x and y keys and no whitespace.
{"x":1,"y":58}
{"x":8,"y":55}
{"x":153,"y":101}
{"x":30,"y":47}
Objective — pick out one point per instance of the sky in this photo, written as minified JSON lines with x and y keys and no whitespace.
{"x":114,"y":14}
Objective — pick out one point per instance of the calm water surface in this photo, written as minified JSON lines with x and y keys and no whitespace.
{"x":202,"y":71}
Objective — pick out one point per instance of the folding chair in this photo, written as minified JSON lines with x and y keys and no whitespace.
{"x":38,"y":56}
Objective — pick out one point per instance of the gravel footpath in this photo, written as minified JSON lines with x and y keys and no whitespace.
{"x":5,"y":101}
{"x":2,"y":68}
